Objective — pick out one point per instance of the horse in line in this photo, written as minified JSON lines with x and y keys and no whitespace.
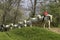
{"x":45,"y":20}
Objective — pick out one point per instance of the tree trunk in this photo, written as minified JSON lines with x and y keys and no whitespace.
{"x":15,"y":17}
{"x":35,"y":2}
{"x":3,"y":20}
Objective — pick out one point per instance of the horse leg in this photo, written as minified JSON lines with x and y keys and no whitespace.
{"x":49,"y":24}
{"x":25,"y":25}
{"x":44,"y":25}
{"x":19,"y":27}
{"x":31,"y":25}
{"x":11,"y":28}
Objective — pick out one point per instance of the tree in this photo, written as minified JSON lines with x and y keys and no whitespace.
{"x":33,"y":11}
{"x":18,"y":5}
{"x":54,"y":9}
{"x":8,"y":7}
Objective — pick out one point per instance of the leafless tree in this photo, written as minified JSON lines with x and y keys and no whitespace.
{"x":18,"y":5}
{"x":7,"y":6}
{"x":33,"y":11}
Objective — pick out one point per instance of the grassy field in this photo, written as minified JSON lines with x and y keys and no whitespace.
{"x":34,"y":33}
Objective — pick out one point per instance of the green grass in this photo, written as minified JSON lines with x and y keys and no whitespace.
{"x":4,"y":36}
{"x":34,"y":33}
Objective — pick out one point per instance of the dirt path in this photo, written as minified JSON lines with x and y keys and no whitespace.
{"x":56,"y":30}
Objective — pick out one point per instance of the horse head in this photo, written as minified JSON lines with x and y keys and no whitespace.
{"x":39,"y":16}
{"x":50,"y":17}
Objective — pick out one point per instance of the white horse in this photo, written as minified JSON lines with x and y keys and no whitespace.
{"x":27,"y":23}
{"x":11,"y":25}
{"x":47,"y":19}
{"x":30,"y":21}
{"x":20,"y":24}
